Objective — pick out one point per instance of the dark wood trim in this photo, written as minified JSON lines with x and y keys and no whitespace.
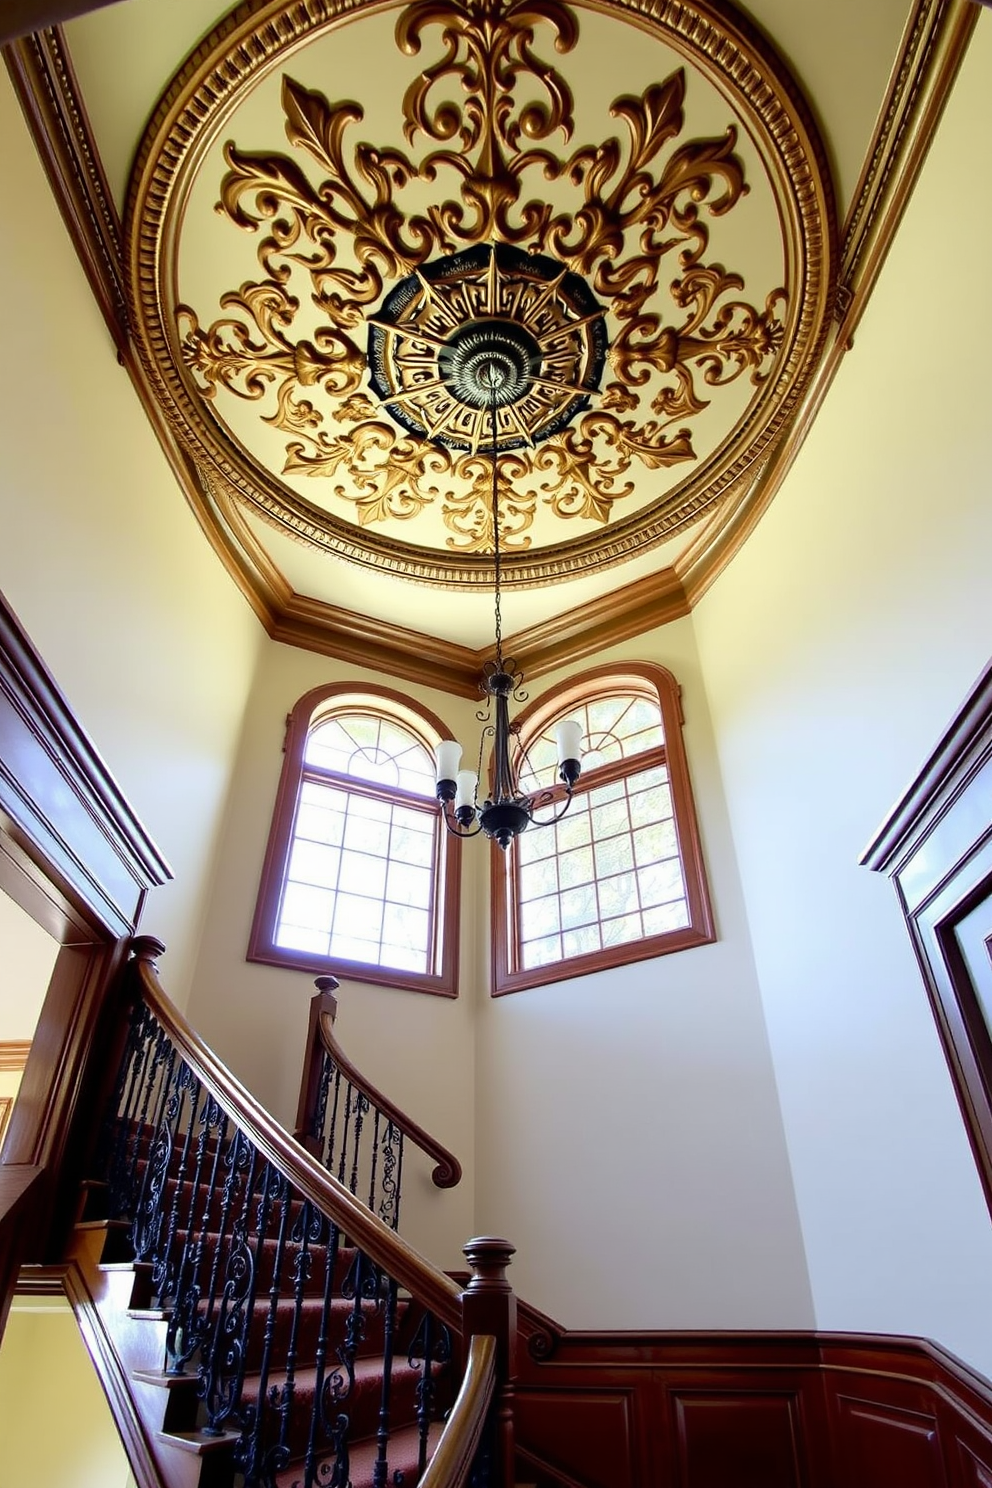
{"x":443,"y":979}
{"x":956,"y":759}
{"x":22,"y":1189}
{"x":58,"y":800}
{"x":779,"y":1410}
{"x":45,"y":82}
{"x":936,"y":844}
{"x":933,"y":46}
{"x":658,"y":682}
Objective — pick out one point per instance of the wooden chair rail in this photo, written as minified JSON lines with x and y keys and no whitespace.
{"x":321,"y":1040}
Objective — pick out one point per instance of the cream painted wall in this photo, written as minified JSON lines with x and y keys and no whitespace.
{"x":630,"y":1142}
{"x":102,"y":560}
{"x":417,"y":1048}
{"x":27,"y":958}
{"x":43,"y":1359}
{"x":835,"y":648}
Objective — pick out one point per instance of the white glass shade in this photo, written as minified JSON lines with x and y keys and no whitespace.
{"x":466,"y":782}
{"x":447,"y":757}
{"x":568,"y":734}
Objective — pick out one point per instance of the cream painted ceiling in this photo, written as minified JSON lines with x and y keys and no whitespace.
{"x":683,"y":178}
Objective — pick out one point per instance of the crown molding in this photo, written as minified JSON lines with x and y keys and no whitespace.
{"x":933,"y":46}
{"x":45,"y":82}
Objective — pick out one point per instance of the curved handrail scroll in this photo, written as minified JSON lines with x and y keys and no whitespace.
{"x":325,"y":1061}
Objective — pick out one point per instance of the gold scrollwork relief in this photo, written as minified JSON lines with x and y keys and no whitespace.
{"x":487,"y":122}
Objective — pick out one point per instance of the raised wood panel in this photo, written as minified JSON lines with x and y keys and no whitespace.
{"x":884,"y":1447}
{"x":748,"y":1440}
{"x":975,"y":1472}
{"x":58,"y":801}
{"x":590,"y":1434}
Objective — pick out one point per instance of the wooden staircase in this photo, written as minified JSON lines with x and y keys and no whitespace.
{"x":256,"y":1323}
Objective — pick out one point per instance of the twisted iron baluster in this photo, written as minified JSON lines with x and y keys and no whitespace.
{"x":320,"y":1113}
{"x":433,"y":1346}
{"x":332,"y":1137}
{"x":360,"y":1110}
{"x":223,"y":1377}
{"x":248,"y":1454}
{"x":225,"y":1204}
{"x":146,"y":1226}
{"x":317,"y":1419}
{"x":185,"y":1084}
{"x":380,"y":1472}
{"x":375,"y":1159}
{"x":187,"y":1325}
{"x":160,"y":1050}
{"x":306,"y":1231}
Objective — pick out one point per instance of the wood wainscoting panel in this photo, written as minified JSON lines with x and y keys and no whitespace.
{"x":589,"y":1434}
{"x":747,"y":1439}
{"x":974,"y":1472}
{"x":883,"y":1446}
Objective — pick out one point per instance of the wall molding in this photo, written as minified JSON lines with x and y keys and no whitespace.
{"x":932,"y":49}
{"x":14,"y":1055}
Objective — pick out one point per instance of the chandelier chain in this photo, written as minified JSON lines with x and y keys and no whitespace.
{"x":494,"y":383}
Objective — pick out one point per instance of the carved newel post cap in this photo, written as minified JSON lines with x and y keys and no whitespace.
{"x":326,"y":983}
{"x":489,"y":1257}
{"x":147,"y":948}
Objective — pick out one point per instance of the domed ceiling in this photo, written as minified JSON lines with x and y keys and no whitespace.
{"x":614,"y":206}
{"x":363,"y":246}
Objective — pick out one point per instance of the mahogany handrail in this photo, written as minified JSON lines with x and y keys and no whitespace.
{"x":387,"y":1249}
{"x":459,"y":1442}
{"x":321,"y":1041}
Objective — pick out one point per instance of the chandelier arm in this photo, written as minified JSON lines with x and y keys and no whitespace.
{"x":454,"y":826}
{"x":537,"y":803}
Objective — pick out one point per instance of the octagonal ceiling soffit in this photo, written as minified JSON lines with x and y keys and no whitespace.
{"x":630,"y":201}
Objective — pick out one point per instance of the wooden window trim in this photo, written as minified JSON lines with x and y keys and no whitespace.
{"x":658,"y":683}
{"x":261,"y":947}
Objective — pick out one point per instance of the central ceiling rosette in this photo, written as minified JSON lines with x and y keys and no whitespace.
{"x":646,"y":269}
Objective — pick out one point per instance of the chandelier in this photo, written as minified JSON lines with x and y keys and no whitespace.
{"x":510,"y":344}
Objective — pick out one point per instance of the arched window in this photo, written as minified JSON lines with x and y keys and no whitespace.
{"x":620,"y":877}
{"x":360,"y":877}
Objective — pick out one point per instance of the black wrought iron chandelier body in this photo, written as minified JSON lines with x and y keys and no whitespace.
{"x":491,"y":367}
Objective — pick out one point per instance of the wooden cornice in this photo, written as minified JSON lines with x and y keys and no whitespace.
{"x":46,"y":86}
{"x":932,"y":49}
{"x":14,"y":1055}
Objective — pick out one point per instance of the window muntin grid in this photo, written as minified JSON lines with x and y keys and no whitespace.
{"x":365,"y":746}
{"x":360,"y":882}
{"x":608,"y":873}
{"x":614,"y":728}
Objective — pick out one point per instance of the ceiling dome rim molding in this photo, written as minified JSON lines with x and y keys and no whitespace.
{"x":191,"y":113}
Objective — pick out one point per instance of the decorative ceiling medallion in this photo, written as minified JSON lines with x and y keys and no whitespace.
{"x":653,"y":303}
{"x":487,"y":319}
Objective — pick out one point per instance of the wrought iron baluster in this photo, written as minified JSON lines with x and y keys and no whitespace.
{"x":380,"y":1472}
{"x":250,"y":1450}
{"x":332,"y":1136}
{"x":360,"y":1109}
{"x":160,"y":1049}
{"x":433,"y":1345}
{"x":183,"y":1103}
{"x":374,"y":1166}
{"x":222,"y":1217}
{"x":320,"y":1114}
{"x":188,"y":1324}
{"x":392,"y":1168}
{"x":146,"y":1225}
{"x":318,"y":1422}
{"x":222,"y":1377}
{"x":306,"y":1231}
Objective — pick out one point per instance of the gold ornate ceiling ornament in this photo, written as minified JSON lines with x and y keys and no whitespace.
{"x":327,"y":396}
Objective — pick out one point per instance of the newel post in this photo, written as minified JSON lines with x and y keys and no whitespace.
{"x":489,"y":1306}
{"x":323,"y":1004}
